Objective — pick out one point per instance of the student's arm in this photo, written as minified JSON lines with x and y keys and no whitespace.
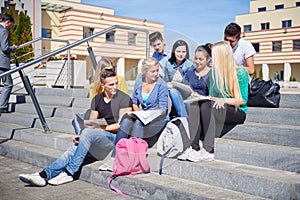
{"x":250,"y":64}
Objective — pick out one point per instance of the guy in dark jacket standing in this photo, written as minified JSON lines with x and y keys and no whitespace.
{"x":5,"y":49}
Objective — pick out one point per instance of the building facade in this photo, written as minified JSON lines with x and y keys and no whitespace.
{"x":273,"y":27}
{"x":72,"y":21}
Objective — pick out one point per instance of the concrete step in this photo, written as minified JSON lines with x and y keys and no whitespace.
{"x":54,"y":140}
{"x":145,"y":186}
{"x":32,"y":121}
{"x":259,"y":181}
{"x":259,"y":154}
{"x":287,"y":116}
{"x":289,"y":101}
{"x":70,"y":92}
{"x":52,"y":100}
{"x":277,"y":134}
{"x":49,"y":111}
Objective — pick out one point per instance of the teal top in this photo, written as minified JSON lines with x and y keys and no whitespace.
{"x":145,"y":97}
{"x":243,"y":79}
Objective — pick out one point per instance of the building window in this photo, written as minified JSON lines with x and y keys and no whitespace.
{"x":247,"y":28}
{"x":87,"y":32}
{"x":132,"y":38}
{"x":262,"y":9}
{"x":280,"y":6}
{"x":298,"y":3}
{"x":286,"y":23}
{"x":46,"y":33}
{"x":265,"y":26}
{"x":296,"y":45}
{"x":110,"y":37}
{"x":256,"y":46}
{"x":276,"y":46}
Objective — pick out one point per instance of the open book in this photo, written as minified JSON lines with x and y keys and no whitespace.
{"x":146,"y":116}
{"x":184,"y":89}
{"x":201,"y":98}
{"x":95,"y":122}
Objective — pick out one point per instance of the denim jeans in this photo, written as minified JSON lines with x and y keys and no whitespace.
{"x":177,"y":102}
{"x":75,"y":155}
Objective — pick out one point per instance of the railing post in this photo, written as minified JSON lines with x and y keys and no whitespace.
{"x":30,"y":91}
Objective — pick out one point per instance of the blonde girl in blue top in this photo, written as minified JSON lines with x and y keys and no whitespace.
{"x":150,"y":93}
{"x":228,"y":106}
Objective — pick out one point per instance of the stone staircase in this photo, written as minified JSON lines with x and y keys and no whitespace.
{"x":257,"y":160}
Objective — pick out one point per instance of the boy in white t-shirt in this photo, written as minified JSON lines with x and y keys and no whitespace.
{"x":243,"y":50}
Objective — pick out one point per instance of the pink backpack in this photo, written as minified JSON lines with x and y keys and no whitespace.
{"x":130,"y":159}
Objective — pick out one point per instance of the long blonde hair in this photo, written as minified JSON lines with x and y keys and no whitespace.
{"x":104,"y":63}
{"x":224,"y":71}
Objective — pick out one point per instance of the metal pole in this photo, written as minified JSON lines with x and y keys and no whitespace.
{"x":30,"y":91}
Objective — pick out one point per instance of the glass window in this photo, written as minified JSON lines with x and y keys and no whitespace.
{"x":87,"y":32}
{"x":262,"y":9}
{"x":46,"y":33}
{"x":276,"y":46}
{"x":296,"y":44}
{"x":280,"y":6}
{"x":132,"y":38}
{"x":110,"y":37}
{"x":247,"y":28}
{"x":265,"y":26}
{"x":256,"y":46}
{"x":286,"y":23}
{"x":298,"y":3}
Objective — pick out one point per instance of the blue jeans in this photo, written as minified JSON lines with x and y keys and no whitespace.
{"x":75,"y":155}
{"x":137,"y":129}
{"x":177,"y":102}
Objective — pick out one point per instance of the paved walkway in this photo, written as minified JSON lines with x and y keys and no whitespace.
{"x":11,"y":188}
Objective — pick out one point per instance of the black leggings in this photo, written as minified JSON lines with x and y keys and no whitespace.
{"x":206,"y":123}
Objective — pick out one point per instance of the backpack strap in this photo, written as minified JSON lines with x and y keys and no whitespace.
{"x":162,"y":160}
{"x":142,"y":155}
{"x":109,"y":180}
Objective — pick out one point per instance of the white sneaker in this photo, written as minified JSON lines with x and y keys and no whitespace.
{"x":184,"y":155}
{"x":206,"y":156}
{"x":202,"y":155}
{"x":107,"y":164}
{"x":33,"y":179}
{"x":62,"y":178}
{"x":193,"y":156}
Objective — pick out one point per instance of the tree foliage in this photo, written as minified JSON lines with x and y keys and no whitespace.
{"x":22,"y":34}
{"x":13,"y":27}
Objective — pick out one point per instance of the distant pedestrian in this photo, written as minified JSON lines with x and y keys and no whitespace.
{"x":276,"y":77}
{"x":5,"y":49}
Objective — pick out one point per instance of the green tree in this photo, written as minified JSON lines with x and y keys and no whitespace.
{"x":12,"y":29}
{"x":260,"y":76}
{"x":255,"y":74}
{"x":21,"y":35}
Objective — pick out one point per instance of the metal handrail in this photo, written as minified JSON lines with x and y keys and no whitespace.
{"x":54,"y":40}
{"x":26,"y":81}
{"x":69,"y":46}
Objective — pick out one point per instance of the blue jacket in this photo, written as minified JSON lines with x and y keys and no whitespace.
{"x":158,"y":98}
{"x":170,"y":69}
